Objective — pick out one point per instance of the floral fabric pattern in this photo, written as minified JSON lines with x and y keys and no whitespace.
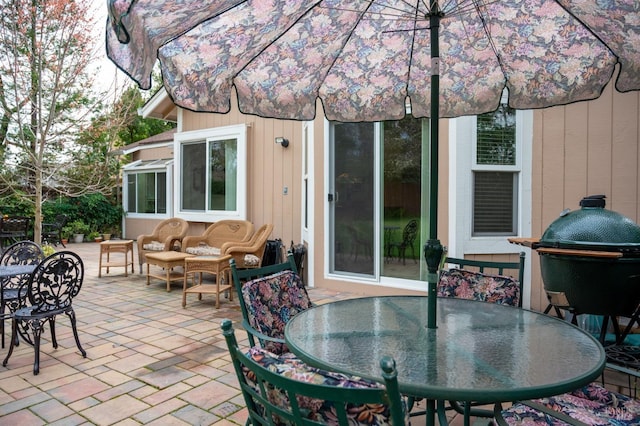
{"x":592,"y":405}
{"x":364,"y":60}
{"x":271,"y":302}
{"x":288,"y":365}
{"x":463,"y":284}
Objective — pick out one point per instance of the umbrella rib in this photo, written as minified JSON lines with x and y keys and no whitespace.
{"x":588,"y":28}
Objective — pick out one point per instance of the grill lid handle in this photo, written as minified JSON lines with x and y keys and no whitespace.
{"x":593,"y":201}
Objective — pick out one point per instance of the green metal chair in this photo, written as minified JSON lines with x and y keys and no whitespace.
{"x":242,"y":276}
{"x":507,"y":289}
{"x":299,"y":399}
{"x":512,"y":269}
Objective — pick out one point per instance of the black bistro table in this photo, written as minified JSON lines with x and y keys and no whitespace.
{"x":479,"y":352}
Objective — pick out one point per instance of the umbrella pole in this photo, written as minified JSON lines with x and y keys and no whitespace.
{"x":433,"y":249}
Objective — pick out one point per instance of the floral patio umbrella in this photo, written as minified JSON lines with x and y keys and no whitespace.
{"x":372,"y":60}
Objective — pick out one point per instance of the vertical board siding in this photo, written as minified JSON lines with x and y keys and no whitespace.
{"x":270,"y":168}
{"x":584,"y":149}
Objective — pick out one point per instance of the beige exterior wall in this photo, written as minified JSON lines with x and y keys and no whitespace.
{"x":584,"y":149}
{"x":271,"y":168}
{"x":578,"y":150}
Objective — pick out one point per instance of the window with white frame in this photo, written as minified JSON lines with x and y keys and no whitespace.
{"x":495,"y":174}
{"x":212,"y":178}
{"x":490,"y":180}
{"x":146,"y":188}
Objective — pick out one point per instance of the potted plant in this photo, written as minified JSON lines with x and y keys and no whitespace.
{"x":67,"y":230}
{"x":94,"y":236}
{"x":79,"y":230}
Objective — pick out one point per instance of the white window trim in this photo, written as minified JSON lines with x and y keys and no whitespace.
{"x":140,"y":167}
{"x":238,"y":132}
{"x":461,"y":166}
{"x":307,"y":231}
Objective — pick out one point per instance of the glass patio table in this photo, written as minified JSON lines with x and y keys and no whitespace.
{"x":479,"y":352}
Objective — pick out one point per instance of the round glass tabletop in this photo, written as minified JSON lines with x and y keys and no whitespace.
{"x":479,"y":351}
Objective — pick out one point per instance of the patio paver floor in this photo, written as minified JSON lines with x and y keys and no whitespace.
{"x":149,"y":360}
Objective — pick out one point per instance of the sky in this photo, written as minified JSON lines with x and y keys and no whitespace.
{"x":108,"y":74}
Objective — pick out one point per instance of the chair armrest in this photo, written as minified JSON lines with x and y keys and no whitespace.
{"x":258,"y":335}
{"x":238,"y":247}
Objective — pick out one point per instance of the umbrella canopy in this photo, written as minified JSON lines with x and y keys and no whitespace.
{"x":367,"y":60}
{"x":372,"y":60}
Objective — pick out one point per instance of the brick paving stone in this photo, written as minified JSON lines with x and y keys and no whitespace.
{"x":83,"y":404}
{"x":209,"y":394}
{"x":22,"y":417}
{"x":166,"y":394}
{"x":132,"y":362}
{"x":195,"y":415}
{"x":166,"y":377}
{"x":119,"y":408}
{"x":78,"y":390}
{"x":52,"y":410}
{"x":158,"y":411}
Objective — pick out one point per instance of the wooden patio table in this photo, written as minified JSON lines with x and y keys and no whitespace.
{"x":479,"y":352}
{"x":167,"y":260}
{"x":216,"y":265}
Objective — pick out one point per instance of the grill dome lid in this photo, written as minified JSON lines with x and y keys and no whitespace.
{"x":592,"y":227}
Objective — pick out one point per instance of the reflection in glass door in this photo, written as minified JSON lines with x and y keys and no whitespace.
{"x":403,"y":213}
{"x":352,"y":198}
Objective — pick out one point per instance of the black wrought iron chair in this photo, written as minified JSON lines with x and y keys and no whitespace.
{"x":409,"y":235}
{"x":50,"y":291}
{"x":52,"y":232}
{"x":310,"y":396}
{"x":20,"y":253}
{"x":14,"y":229}
{"x":269,"y":335}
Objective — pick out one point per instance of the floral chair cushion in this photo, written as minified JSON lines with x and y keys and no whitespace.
{"x":203,"y":250}
{"x":463,"y":284}
{"x":154,"y":246}
{"x":271,"y":302}
{"x":290,"y":366}
{"x":592,"y":404}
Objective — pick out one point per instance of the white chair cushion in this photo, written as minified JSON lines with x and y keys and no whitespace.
{"x":203,"y":250}
{"x":251,"y":260}
{"x":154,"y":246}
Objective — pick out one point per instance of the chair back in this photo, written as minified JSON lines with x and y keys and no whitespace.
{"x":227,"y":230}
{"x":410,"y":232}
{"x":22,"y":253}
{"x":294,"y":393}
{"x":174,"y":227}
{"x":482,"y":280}
{"x":241,"y":276}
{"x":55,"y":282}
{"x":16,"y":226}
{"x":271,"y":302}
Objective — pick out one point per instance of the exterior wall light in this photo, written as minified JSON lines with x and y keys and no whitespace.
{"x":282,"y":141}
